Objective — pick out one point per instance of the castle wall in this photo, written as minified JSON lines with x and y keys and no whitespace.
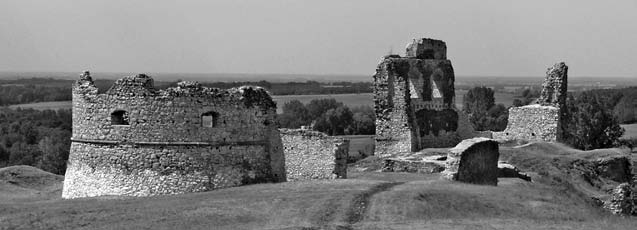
{"x":532,"y":123}
{"x":540,"y":121}
{"x":392,"y":132}
{"x":167,"y":146}
{"x":311,"y":155}
{"x":414,"y":100}
{"x":145,"y":170}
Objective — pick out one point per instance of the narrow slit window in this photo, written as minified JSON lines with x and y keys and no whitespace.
{"x":119,"y":117}
{"x":209,"y":119}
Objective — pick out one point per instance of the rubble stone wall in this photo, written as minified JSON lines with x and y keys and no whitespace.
{"x":540,"y":121}
{"x":135,"y":140}
{"x":312,"y":155}
{"x":414,"y":100}
{"x":531,"y":123}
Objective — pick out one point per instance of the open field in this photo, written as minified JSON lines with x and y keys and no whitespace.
{"x":351,"y":100}
{"x":631,"y":131}
{"x":360,"y":146}
{"x":52,"y":105}
{"x":367,"y":200}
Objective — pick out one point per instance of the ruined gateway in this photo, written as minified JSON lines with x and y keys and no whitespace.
{"x":414,"y":100}
{"x":138,"y":141}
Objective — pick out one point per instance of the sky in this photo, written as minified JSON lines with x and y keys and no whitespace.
{"x":484,"y":38}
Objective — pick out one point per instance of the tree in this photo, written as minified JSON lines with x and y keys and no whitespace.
{"x":294,"y":115}
{"x":55,"y":152}
{"x":477,"y":102}
{"x":318,"y":107}
{"x":589,"y":124}
{"x":335,"y":121}
{"x":363,"y":121}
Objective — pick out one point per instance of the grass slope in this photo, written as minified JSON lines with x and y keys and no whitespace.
{"x":368,"y":200}
{"x":25,"y":183}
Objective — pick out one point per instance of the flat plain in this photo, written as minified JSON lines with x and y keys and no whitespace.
{"x":351,"y":100}
{"x":631,"y":131}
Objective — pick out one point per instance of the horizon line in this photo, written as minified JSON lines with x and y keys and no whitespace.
{"x":292,"y":74}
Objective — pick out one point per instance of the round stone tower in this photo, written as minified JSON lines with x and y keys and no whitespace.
{"x":138,"y":141}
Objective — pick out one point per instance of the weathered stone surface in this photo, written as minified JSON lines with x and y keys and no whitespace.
{"x":426,"y":48}
{"x":312,"y":155}
{"x":540,"y":121}
{"x":615,"y":168}
{"x":431,"y":164}
{"x":474,"y":161}
{"x":506,"y":170}
{"x":532,"y":123}
{"x":138,"y":141}
{"x":554,"y":86}
{"x":622,"y":201}
{"x":414,"y":100}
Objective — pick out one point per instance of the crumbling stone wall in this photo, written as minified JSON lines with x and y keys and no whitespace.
{"x":540,"y":121}
{"x":312,"y":155}
{"x":474,"y":161}
{"x":623,"y":200}
{"x":414,"y":100}
{"x":532,"y":123}
{"x":138,"y":141}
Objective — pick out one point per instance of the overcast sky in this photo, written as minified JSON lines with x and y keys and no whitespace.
{"x":485,"y":38}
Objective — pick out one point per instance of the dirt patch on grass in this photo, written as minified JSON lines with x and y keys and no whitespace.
{"x":357,"y":210}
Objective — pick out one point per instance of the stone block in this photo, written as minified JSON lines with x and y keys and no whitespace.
{"x":474,"y":161}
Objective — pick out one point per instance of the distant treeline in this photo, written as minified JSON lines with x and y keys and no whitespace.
{"x":328,"y":116}
{"x":36,"y":138}
{"x":298,"y":88}
{"x":32,"y":90}
{"x":622,"y":103}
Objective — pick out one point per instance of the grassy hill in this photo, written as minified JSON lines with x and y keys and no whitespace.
{"x":367,"y":200}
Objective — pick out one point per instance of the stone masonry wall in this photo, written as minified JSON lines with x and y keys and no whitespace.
{"x":531,"y":123}
{"x":165,"y":145}
{"x":540,"y":121}
{"x":311,"y":155}
{"x":414,"y":100}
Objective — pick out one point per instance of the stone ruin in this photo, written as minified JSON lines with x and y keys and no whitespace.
{"x":414,"y":100}
{"x":540,"y":121}
{"x":474,"y":161}
{"x":312,"y":155}
{"x":138,"y":141}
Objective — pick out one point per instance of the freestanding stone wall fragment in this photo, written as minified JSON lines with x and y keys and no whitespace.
{"x":137,"y":141}
{"x":474,"y":161}
{"x":312,"y":155}
{"x":540,"y":121}
{"x":414,"y":100}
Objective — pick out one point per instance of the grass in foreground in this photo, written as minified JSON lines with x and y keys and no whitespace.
{"x":367,"y":201}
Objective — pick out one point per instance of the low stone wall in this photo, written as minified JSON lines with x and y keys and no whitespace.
{"x":311,"y":155}
{"x":426,"y":165}
{"x":147,"y":170}
{"x":474,"y":161}
{"x":623,"y":201}
{"x":531,"y":123}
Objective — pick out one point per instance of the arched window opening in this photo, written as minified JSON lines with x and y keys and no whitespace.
{"x":209,"y":119}
{"x":119,"y":117}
